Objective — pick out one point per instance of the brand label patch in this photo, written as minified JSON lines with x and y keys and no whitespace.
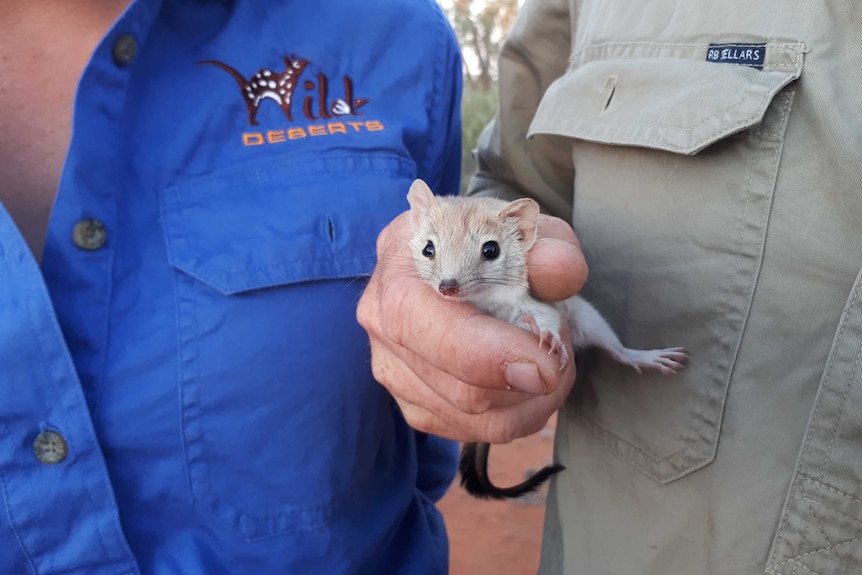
{"x":751,"y":55}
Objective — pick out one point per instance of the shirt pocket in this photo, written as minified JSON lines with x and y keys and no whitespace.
{"x":281,"y":418}
{"x":675,"y":162}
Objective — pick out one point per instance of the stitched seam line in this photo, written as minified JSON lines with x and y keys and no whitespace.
{"x":42,"y":340}
{"x":829,"y":547}
{"x":837,"y":420}
{"x":608,"y":437}
{"x":806,"y":439}
{"x":804,"y":566}
{"x":830,"y":508}
{"x":725,"y":131}
{"x":11,"y":516}
{"x":433,"y":149}
{"x":828,"y":372}
{"x":828,"y":452}
{"x":830,"y":488}
{"x":743,"y":98}
{"x":819,"y":525}
{"x":830,"y":363}
{"x":756,"y":272}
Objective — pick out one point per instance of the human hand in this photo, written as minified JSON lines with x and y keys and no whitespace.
{"x":454,"y":371}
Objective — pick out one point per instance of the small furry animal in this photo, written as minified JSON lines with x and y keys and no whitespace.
{"x":475,"y":250}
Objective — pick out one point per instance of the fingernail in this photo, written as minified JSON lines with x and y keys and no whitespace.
{"x":525,"y":376}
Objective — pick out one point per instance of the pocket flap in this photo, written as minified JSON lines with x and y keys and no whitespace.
{"x":672,"y":104}
{"x":284,"y":222}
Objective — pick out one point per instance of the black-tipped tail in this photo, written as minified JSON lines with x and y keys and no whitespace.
{"x":474,"y":475}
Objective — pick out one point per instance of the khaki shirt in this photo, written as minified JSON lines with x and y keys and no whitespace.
{"x":709,"y":155}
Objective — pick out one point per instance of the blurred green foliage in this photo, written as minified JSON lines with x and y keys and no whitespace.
{"x":478,"y":107}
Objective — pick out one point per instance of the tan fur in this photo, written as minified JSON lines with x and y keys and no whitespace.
{"x":458,"y":229}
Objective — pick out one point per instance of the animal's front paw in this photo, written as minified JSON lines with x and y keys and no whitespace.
{"x":555,"y":345}
{"x":546,"y":337}
{"x":528,"y":322}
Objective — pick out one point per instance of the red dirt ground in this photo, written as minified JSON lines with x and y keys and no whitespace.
{"x":500,"y":537}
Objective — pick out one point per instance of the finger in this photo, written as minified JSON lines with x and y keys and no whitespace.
{"x":556,"y":270}
{"x":499,"y":425}
{"x":502,"y":425}
{"x":413,"y":371}
{"x":471,"y":347}
{"x":423,"y":420}
{"x":556,"y":266}
{"x":557,"y":229}
{"x":423,"y":409}
{"x":408,"y":382}
{"x":466,"y":398}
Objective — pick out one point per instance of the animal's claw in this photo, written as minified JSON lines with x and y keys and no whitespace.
{"x":546,"y":337}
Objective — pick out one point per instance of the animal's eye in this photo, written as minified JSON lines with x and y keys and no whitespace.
{"x":428,"y":250}
{"x":490,"y":250}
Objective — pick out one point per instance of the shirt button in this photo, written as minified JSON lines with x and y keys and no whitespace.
{"x":124,"y":50}
{"x":89,"y":234}
{"x":50,"y":447}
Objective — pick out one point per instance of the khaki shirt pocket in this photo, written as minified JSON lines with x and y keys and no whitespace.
{"x":675,"y":165}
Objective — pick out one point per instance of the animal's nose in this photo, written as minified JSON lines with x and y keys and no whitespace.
{"x":449,"y":287}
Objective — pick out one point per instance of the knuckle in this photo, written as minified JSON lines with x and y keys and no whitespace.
{"x":510,"y":425}
{"x":470,"y":400}
{"x":384,"y":371}
{"x":363,"y":314}
{"x":378,"y":371}
{"x":368,"y":308}
{"x":421,"y":423}
{"x":419,"y":419}
{"x":503,"y":430}
{"x":532,"y":427}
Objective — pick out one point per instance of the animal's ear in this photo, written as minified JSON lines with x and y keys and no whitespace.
{"x":421,"y":200}
{"x":525,"y":213}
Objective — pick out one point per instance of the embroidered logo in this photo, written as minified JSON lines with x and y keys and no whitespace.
{"x":280,"y":87}
{"x":752,"y":55}
{"x":267,"y":84}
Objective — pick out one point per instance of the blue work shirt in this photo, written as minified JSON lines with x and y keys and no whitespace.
{"x":185,"y":388}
